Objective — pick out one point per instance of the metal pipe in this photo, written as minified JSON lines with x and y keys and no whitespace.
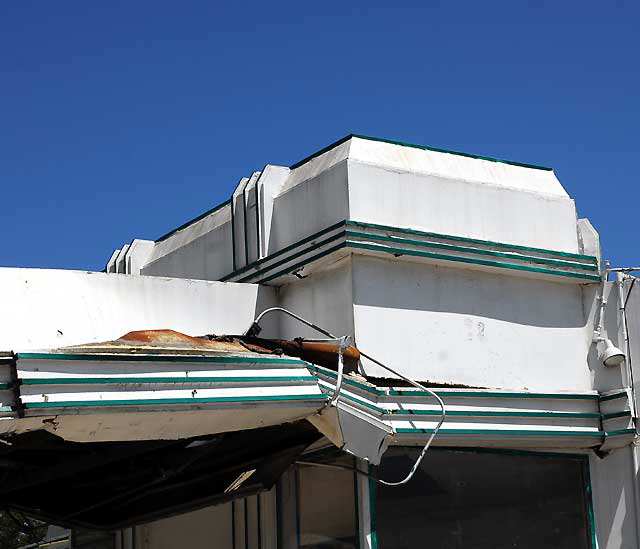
{"x":597,"y":333}
{"x":620,"y":278}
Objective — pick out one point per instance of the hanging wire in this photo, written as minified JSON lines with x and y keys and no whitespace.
{"x":255,"y":329}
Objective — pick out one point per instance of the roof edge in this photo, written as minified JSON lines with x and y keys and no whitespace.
{"x":192,"y":221}
{"x":414,"y":146}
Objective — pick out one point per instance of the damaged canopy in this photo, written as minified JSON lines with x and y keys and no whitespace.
{"x":157,"y":422}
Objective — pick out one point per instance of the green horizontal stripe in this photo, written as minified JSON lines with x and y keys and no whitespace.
{"x":620,"y":432}
{"x":495,"y":394}
{"x":502,"y":245}
{"x":160,"y":358}
{"x":149,"y":402}
{"x":293,"y":257}
{"x":283,"y":250}
{"x":487,"y":413}
{"x":147,"y":380}
{"x":457,"y":259}
{"x":350,"y":382}
{"x":294,"y":268}
{"x":358,"y":401}
{"x":194,"y":220}
{"x":6,"y":409}
{"x":509,"y":247}
{"x":5,"y":386}
{"x":626,"y":413}
{"x":614,"y":396}
{"x":466,"y":249}
{"x":506,"y":432}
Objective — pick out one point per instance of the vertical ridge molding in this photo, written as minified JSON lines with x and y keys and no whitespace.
{"x":238,"y":223}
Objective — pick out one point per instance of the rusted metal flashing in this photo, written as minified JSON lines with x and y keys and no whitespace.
{"x":172,"y":342}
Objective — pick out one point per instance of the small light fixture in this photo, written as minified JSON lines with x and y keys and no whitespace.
{"x":609,"y":354}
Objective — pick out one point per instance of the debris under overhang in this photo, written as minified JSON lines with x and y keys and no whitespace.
{"x":113,"y":485}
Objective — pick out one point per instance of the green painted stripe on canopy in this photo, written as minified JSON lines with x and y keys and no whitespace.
{"x":626,"y":413}
{"x":506,"y":432}
{"x":161,"y":358}
{"x":157,"y":401}
{"x":614,"y":396}
{"x":490,"y":413}
{"x":621,"y":432}
{"x":494,"y":394}
{"x":164,"y":380}
{"x":364,"y":403}
{"x":328,"y":373}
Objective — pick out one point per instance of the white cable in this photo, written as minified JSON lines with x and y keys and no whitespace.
{"x":344,"y":340}
{"x":255,"y":326}
{"x":433,"y":434}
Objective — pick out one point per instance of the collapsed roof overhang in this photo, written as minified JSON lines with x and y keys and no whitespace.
{"x":111,"y":485}
{"x":156,"y":423}
{"x":176,"y":423}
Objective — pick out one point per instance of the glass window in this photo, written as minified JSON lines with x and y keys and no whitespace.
{"x":481,"y":500}
{"x":326,"y":502}
{"x":317,"y":506}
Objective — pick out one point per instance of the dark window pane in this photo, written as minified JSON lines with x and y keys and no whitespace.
{"x":91,"y":539}
{"x":327,"y":510}
{"x":482,"y":501}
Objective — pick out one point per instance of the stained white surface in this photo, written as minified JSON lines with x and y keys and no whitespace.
{"x":612,"y":481}
{"x":454,"y":326}
{"x":48,"y":308}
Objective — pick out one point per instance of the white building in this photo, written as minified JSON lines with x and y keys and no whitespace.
{"x":470,"y":275}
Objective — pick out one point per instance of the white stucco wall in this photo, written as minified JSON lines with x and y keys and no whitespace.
{"x":201,"y":251}
{"x":324,"y":298}
{"x":614,"y":504}
{"x":467,"y":327}
{"x":46,"y":308}
{"x":310,"y":206}
{"x":379,"y":194}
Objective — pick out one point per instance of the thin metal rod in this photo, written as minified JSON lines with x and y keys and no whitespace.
{"x":433,"y":434}
{"x":293,"y":315}
{"x":255,"y":328}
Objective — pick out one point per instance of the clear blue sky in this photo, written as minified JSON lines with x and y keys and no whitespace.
{"x":125,"y":119}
